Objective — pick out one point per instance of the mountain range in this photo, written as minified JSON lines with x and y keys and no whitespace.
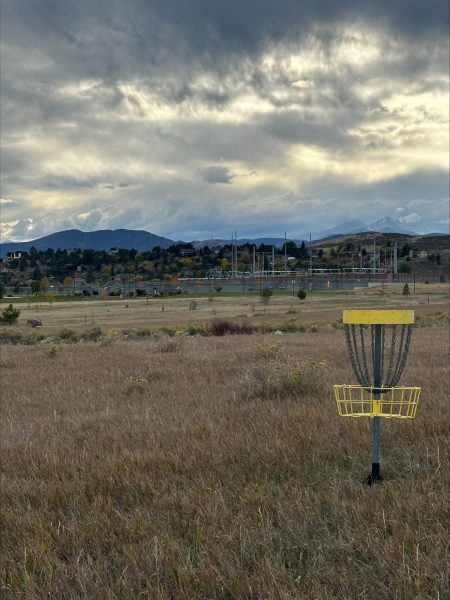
{"x":95,"y":240}
{"x":143,"y":240}
{"x":383,"y":225}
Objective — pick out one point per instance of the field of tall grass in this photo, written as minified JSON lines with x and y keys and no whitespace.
{"x":217,"y":467}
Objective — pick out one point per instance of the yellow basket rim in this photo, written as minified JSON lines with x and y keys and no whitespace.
{"x":373,"y":387}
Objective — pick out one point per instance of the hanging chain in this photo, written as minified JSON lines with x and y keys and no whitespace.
{"x":364,"y":355}
{"x":392,"y":353}
{"x":396,"y":359}
{"x":402,"y":354}
{"x":350,"y":337}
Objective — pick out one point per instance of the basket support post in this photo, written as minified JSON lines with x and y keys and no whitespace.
{"x":375,"y":476}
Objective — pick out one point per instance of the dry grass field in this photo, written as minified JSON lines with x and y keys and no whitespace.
{"x":217,"y":467}
{"x":173,"y":312}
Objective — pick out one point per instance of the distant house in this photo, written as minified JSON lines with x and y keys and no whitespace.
{"x":187,"y":252}
{"x":16,"y":255}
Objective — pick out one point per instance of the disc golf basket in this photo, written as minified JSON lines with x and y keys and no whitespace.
{"x":378,"y":344}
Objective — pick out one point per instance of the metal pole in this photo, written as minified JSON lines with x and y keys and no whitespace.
{"x":310,"y":256}
{"x":375,"y":476}
{"x":395,"y":259}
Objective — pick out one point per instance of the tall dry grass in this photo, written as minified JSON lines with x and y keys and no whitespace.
{"x":134,"y":470}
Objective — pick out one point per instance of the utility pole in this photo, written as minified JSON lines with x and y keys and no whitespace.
{"x":254,"y":259}
{"x":235,"y":254}
{"x":232,"y":253}
{"x":374,"y":259}
{"x":310,"y":256}
{"x":360,"y":259}
{"x":285,"y":253}
{"x":395,"y":259}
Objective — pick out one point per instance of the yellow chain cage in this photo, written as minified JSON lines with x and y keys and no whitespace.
{"x":394,"y":402}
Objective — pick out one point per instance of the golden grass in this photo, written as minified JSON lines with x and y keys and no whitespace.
{"x":155,"y":313}
{"x":132,"y":469}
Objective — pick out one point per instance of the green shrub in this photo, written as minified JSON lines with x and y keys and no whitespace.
{"x":404,"y":268}
{"x":9,"y":315}
{"x":266,"y":295}
{"x":301,"y":294}
{"x":406,"y":291}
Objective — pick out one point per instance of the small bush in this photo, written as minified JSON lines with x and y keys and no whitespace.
{"x":266,"y":350}
{"x":9,"y":315}
{"x":53,"y":350}
{"x":406,"y":291}
{"x":280,"y":380}
{"x":221,"y":327}
{"x":10,"y":337}
{"x":109,"y":338}
{"x":266,"y":295}
{"x":136,"y":383}
{"x":141,"y":332}
{"x":68,"y":335}
{"x":91,"y":335}
{"x":34,"y":338}
{"x":195,"y":330}
{"x":301,"y":294}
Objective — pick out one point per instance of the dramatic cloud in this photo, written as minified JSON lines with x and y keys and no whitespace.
{"x":217,"y":175}
{"x":192,"y":119}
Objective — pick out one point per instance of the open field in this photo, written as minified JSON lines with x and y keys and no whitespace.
{"x":174,"y":311}
{"x":217,"y":467}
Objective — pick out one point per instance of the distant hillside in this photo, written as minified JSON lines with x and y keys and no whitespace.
{"x":212,"y":243}
{"x":383,"y":225}
{"x":95,"y":240}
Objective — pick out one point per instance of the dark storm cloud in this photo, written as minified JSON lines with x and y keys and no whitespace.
{"x":217,"y":174}
{"x":142,"y":103}
{"x":111,"y":38}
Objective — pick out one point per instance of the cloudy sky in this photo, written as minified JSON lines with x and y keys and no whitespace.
{"x":196,"y":118}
